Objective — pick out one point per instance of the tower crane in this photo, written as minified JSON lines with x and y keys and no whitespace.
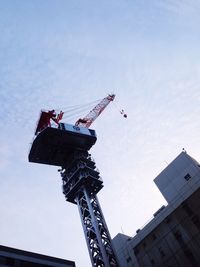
{"x":67,"y":146}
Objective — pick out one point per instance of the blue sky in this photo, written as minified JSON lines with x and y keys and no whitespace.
{"x":55,"y":54}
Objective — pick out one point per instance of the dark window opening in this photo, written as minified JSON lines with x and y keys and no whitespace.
{"x":187,"y":177}
{"x":152,"y":262}
{"x":196,"y":221}
{"x":136,"y":251}
{"x":162,"y":253}
{"x":9,"y":261}
{"x":128,"y":259}
{"x":154,"y":237}
{"x":188,"y":253}
{"x":187,"y":209}
{"x":167,"y":220}
{"x":179,"y":238}
{"x":2,"y":259}
{"x":178,"y":235}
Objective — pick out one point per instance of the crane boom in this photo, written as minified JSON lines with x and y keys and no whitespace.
{"x":95,"y":112}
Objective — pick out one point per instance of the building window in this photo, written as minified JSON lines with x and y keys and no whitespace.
{"x":168,"y":220}
{"x":179,"y":238}
{"x":178,"y":235}
{"x":128,"y":259}
{"x":187,"y":209}
{"x":154,"y":236}
{"x":2,"y":260}
{"x":152,"y":262}
{"x":188,"y":253}
{"x":162,"y":253}
{"x":196,"y":221}
{"x":136,"y":251}
{"x":187,"y":177}
{"x":10,"y":261}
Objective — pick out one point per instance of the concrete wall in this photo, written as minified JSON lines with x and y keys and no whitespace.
{"x":178,"y":177}
{"x":172,"y":237}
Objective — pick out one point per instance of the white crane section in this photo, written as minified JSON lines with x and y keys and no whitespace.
{"x":95,"y":112}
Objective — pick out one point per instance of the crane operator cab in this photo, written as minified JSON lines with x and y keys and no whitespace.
{"x":54,"y":145}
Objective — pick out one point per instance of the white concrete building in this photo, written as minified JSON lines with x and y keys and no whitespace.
{"x":172,"y":237}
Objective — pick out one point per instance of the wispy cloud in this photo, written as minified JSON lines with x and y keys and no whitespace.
{"x":56,"y":55}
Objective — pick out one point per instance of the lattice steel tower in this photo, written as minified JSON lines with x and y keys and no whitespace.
{"x":67,"y":146}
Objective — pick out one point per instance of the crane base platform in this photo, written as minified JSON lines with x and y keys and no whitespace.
{"x":54,"y":146}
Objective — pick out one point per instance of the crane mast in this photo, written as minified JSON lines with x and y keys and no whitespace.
{"x":67,"y":146}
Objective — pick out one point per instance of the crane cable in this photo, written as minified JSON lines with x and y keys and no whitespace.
{"x":73,"y":112}
{"x":76,"y":111}
{"x":66,"y":109}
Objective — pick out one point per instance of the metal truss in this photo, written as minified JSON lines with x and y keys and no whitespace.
{"x":95,"y":230}
{"x":81,"y":182}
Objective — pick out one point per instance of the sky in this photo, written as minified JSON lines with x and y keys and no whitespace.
{"x":56,"y":54}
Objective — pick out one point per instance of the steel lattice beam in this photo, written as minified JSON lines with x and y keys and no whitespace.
{"x":81,"y":182}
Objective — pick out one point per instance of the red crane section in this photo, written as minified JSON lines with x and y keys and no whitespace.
{"x":95,"y":112}
{"x":45,"y":119}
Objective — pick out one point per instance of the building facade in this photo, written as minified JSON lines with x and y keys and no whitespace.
{"x":172,"y":237}
{"x":20,"y":258}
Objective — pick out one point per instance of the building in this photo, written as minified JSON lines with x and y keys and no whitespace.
{"x":172,"y":237}
{"x":20,"y":258}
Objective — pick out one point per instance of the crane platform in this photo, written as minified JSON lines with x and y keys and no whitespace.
{"x":54,"y":146}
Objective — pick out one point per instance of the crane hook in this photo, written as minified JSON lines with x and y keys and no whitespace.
{"x":123,"y":113}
